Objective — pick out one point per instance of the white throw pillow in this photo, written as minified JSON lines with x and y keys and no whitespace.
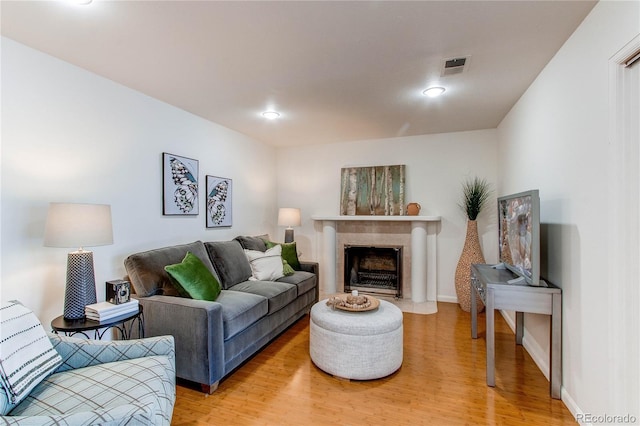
{"x":27,"y":356}
{"x":266,"y":266}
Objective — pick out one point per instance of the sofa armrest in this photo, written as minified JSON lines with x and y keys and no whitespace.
{"x":198,"y":330}
{"x":314,"y":268}
{"x":78,"y":353}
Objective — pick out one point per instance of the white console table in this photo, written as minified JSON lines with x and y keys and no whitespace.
{"x":496,"y":293}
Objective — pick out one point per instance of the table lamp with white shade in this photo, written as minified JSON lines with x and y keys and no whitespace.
{"x":288,"y":217}
{"x":78,"y":226}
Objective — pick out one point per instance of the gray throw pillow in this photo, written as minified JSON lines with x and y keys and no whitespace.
{"x":229,"y":261}
{"x":253,"y":243}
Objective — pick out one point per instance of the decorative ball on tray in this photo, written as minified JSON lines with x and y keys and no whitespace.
{"x":356,"y":300}
{"x":353,"y":302}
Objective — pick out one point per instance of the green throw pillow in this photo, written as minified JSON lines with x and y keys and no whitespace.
{"x":287,"y":269}
{"x":289,"y":253}
{"x":194,"y":278}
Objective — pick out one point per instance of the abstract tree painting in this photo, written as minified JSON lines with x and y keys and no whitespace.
{"x":377,"y":190}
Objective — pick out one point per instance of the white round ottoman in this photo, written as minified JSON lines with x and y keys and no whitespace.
{"x":356,"y":345}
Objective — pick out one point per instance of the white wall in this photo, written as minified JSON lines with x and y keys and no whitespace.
{"x":71,"y":136}
{"x":436,"y":166}
{"x":556,"y":138}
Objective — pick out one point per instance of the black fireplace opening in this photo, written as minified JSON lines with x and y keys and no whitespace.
{"x":373,"y":269}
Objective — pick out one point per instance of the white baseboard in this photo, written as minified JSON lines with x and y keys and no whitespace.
{"x":447,"y":299}
{"x":572,"y":406}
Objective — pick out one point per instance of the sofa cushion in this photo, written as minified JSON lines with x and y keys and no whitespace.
{"x":289,"y":253}
{"x":253,"y":243}
{"x":266,"y":266}
{"x":146,"y":269}
{"x":143,"y":388}
{"x":229,"y":261}
{"x":240,"y":310}
{"x":305,"y":281}
{"x":279,"y":294}
{"x":27,"y":356}
{"x":194,"y":278}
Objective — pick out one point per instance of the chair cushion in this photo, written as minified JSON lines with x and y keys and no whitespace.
{"x":126,"y":414}
{"x":229,"y":261}
{"x":5,"y":405}
{"x":143,"y":387}
{"x":194,"y":278}
{"x":27,"y":356}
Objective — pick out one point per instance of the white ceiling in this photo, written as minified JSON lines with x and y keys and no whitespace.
{"x":336,"y":71}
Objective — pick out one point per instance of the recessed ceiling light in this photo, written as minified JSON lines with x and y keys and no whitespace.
{"x":80,"y":2}
{"x":271,"y":115}
{"x":433,"y":92}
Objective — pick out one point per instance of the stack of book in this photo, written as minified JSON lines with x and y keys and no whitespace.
{"x":103,"y":311}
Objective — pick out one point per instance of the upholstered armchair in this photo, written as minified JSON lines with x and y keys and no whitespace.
{"x":101,"y":382}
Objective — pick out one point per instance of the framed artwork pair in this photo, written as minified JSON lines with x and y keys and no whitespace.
{"x":180,"y":191}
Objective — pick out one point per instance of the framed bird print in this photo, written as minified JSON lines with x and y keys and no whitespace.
{"x":179,"y":185}
{"x":219,"y":211}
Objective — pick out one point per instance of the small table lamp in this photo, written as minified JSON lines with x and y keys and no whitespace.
{"x":78,"y":225}
{"x":288,"y":217}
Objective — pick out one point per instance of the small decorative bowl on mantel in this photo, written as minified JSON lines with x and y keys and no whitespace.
{"x":413,"y":209}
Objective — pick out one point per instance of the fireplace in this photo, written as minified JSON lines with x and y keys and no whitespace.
{"x":373,"y":269}
{"x":416,"y":234}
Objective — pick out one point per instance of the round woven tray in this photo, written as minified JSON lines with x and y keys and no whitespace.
{"x":374,"y":304}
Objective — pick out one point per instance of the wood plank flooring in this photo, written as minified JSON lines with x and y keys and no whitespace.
{"x":441,"y":382}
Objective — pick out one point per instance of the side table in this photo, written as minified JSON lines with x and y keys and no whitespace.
{"x":84,"y":325}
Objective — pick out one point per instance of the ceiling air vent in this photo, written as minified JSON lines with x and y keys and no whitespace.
{"x":455,"y":66}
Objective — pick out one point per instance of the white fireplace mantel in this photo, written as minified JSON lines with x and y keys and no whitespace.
{"x":379,"y":218}
{"x":423,"y":249}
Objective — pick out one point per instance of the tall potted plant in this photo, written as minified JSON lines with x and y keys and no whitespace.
{"x":475,"y":194}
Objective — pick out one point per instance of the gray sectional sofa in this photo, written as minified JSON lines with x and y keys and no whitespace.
{"x":213,"y":338}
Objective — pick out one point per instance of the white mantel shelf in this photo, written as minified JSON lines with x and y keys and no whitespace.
{"x":364,"y":218}
{"x":423,"y":251}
